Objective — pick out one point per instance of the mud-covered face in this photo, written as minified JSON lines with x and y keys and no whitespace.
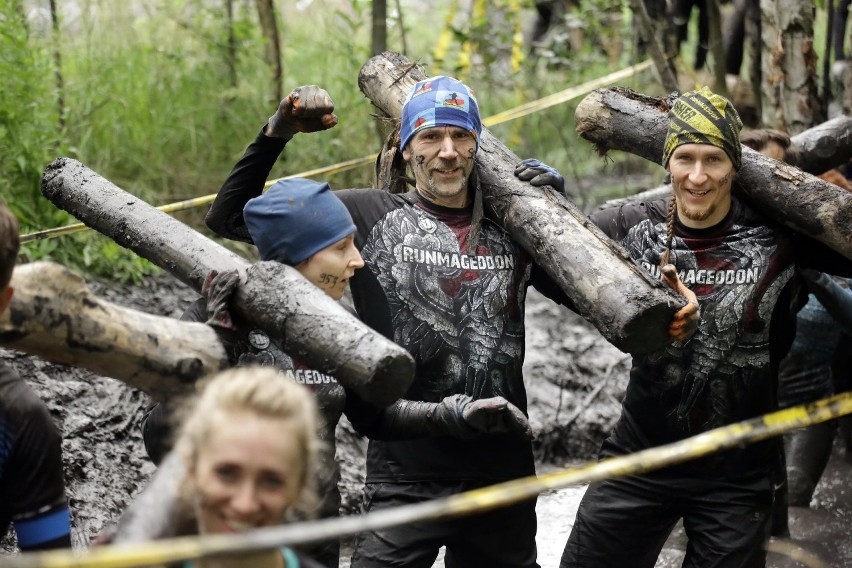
{"x":247,"y":473}
{"x":702,"y":176}
{"x":331,"y":268}
{"x":442,"y":158}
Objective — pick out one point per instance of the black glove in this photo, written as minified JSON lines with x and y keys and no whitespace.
{"x":305,"y":109}
{"x":458,"y":416}
{"x":218,"y":289}
{"x":538,"y":174}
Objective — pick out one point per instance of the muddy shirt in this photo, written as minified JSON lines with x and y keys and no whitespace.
{"x":248,"y":345}
{"x":460,"y":314}
{"x":743,"y":273}
{"x":32,"y":488}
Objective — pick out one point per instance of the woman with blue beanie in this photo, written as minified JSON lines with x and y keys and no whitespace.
{"x":300,"y":223}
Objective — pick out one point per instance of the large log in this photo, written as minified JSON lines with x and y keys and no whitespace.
{"x":273,"y":296}
{"x":824,"y":146}
{"x":54,"y":315}
{"x":620,"y":119}
{"x":630,"y":309}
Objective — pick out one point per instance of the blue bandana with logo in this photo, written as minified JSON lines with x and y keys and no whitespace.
{"x":439,"y":101}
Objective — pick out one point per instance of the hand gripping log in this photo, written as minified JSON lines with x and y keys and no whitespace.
{"x":273,"y":296}
{"x":620,"y":119}
{"x":630,"y":308}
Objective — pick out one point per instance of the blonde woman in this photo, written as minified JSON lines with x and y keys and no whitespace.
{"x":248,"y":446}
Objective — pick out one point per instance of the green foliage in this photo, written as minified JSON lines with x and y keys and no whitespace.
{"x":152,"y":105}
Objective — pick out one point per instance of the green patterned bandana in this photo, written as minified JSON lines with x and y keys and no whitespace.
{"x":703,"y":117}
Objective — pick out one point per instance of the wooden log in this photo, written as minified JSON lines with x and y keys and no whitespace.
{"x":275,"y":297}
{"x":630,"y":309}
{"x":620,"y":119}
{"x":54,"y":315}
{"x":825,"y":146}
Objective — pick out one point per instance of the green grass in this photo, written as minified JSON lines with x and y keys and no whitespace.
{"x":150,"y":106}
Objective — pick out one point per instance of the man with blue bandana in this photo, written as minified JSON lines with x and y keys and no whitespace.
{"x":32,"y":486}
{"x":449,"y":286}
{"x":742,"y":266}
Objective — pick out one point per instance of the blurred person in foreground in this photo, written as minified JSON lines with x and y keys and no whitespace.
{"x":249,"y":448}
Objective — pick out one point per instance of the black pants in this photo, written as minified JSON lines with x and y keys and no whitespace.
{"x":502,"y":538}
{"x":625,"y":522}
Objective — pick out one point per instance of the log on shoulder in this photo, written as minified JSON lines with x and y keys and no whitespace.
{"x":620,"y":119}
{"x":273,"y":296}
{"x":627,"y":306}
{"x":54,"y":315}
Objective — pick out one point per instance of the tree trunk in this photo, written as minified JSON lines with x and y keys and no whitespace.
{"x":790,"y":94}
{"x":55,"y":316}
{"x":379,"y":35}
{"x":231,"y":50}
{"x":401,"y":23}
{"x":619,"y":119}
{"x":57,"y":64}
{"x":649,"y":36}
{"x":754,"y":34}
{"x":272,"y":49}
{"x":630,"y":309}
{"x":274,"y":296}
{"x":717,"y":47}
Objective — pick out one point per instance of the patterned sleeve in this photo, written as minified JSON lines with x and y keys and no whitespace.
{"x":246,"y":181}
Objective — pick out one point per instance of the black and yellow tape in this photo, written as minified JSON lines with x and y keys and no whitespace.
{"x":173,"y":550}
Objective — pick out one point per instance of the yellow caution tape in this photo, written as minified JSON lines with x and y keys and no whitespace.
{"x":511,"y":114}
{"x":173,"y":550}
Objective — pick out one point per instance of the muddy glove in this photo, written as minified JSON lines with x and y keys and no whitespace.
{"x":685,"y":321}
{"x":457,"y":416}
{"x":218,"y":289}
{"x":305,"y":109}
{"x":539,"y":174}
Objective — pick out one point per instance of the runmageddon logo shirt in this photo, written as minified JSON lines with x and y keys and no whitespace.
{"x":739,"y":271}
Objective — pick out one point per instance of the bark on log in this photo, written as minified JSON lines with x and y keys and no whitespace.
{"x":825,"y":146}
{"x":54,"y":315}
{"x":273,"y":296}
{"x":620,"y":119}
{"x":630,"y":309}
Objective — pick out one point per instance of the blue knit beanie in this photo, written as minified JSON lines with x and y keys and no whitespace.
{"x":439,"y":101}
{"x":295,"y":219}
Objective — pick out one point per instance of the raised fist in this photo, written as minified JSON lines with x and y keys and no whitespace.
{"x":305,"y":109}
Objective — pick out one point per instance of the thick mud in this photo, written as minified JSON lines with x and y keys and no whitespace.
{"x":575,"y":382}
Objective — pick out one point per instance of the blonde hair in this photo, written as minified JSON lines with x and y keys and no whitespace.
{"x":267,"y":393}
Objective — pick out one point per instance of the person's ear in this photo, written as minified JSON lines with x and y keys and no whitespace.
{"x":5,"y":298}
{"x":406,"y":154}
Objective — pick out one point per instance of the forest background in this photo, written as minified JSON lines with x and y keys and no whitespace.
{"x":161,"y":96}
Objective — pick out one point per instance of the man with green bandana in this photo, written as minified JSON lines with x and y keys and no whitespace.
{"x":742,"y":268}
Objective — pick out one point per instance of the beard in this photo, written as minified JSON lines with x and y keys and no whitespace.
{"x":695,"y":213}
{"x":448,"y":187}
